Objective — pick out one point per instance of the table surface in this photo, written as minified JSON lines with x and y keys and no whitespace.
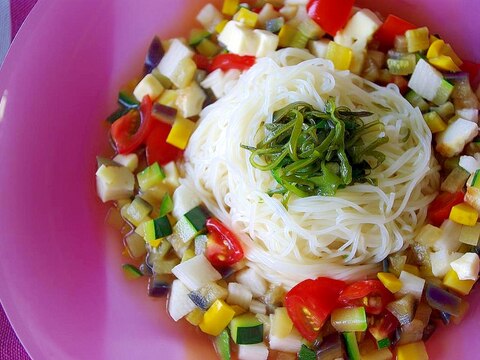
{"x":12,"y":15}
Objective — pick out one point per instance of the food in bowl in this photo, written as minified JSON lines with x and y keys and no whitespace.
{"x":301,"y":179}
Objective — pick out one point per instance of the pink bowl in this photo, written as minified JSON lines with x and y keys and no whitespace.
{"x":62,"y":286}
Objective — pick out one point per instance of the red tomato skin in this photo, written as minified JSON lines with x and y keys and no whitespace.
{"x":201,"y":61}
{"x":227,"y":62}
{"x":392,"y":27}
{"x":126,"y":134}
{"x":439,"y":209}
{"x":331,"y":15}
{"x":354,"y":295}
{"x":385,"y":325}
{"x":157,"y":148}
{"x":223,"y":247}
{"x":317,"y":298}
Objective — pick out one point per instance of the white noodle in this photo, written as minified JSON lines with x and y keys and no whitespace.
{"x":343,"y":236}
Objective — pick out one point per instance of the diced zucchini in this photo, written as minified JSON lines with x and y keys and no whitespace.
{"x":135,"y":245}
{"x":403,"y":66}
{"x":445,"y":110}
{"x":209,"y":17}
{"x":434,"y":121}
{"x":200,"y":244}
{"x":131,"y":271}
{"x":417,"y":101}
{"x":197,"y":35}
{"x":239,"y":294}
{"x":306,"y":353}
{"x":166,"y":206}
{"x":207,"y":295}
{"x":171,"y":175}
{"x":455,"y":181}
{"x":349,"y":319}
{"x":351,"y":346}
{"x":150,"y":86}
{"x":179,"y":304}
{"x":190,"y":100}
{"x":106,"y":162}
{"x":208,"y":48}
{"x":196,"y":272}
{"x":150,"y":177}
{"x":190,"y":225}
{"x":222,"y":345}
{"x":246,"y":329}
{"x":130,"y":161}
{"x":253,"y":352}
{"x":443,"y":93}
{"x":114,"y":183}
{"x":177,"y":64}
{"x":137,"y":211}
{"x":157,"y":228}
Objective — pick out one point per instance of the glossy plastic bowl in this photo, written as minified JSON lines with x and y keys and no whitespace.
{"x":61,"y":283}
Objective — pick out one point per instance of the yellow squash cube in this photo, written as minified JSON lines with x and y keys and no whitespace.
{"x":452,"y":281}
{"x":339,"y":55}
{"x":412,"y":351}
{"x":464,"y":214}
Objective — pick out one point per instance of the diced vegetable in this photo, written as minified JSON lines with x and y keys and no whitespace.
{"x":392,"y":27}
{"x":222,"y":345}
{"x":274,"y":25}
{"x":207,"y":295}
{"x":157,"y":149}
{"x":196,"y":272}
{"x":135,"y":245}
{"x":150,"y":86}
{"x":349,"y":319}
{"x":390,"y":281}
{"x":339,"y":55}
{"x":306,"y":353}
{"x":253,"y":352}
{"x":289,"y":344}
{"x":130,"y":161}
{"x":403,"y":308}
{"x":411,"y":284}
{"x":131,"y":272}
{"x":442,"y":300}
{"x":137,"y":211}
{"x":369,"y":293}
{"x":189,"y":103}
{"x":445,"y":110}
{"x":179,"y":304}
{"x":239,"y":294}
{"x":180,"y":133}
{"x":439,"y":209}
{"x":216,"y":318}
{"x":470,"y":235}
{"x":238,"y":38}
{"x":230,"y":7}
{"x":267,"y":42}
{"x":425,"y":81}
{"x":176,"y":64}
{"x":332,"y":347}
{"x":246,"y":329}
{"x":417,"y":39}
{"x":281,"y":324}
{"x":417,"y":101}
{"x":191,"y":224}
{"x":467,"y":267}
{"x":413,"y":351}
{"x":382,"y":328}
{"x":114,"y":183}
{"x":150,"y":177}
{"x":458,"y":133}
{"x":258,"y":307}
{"x":434,"y":122}
{"x":452,"y":282}
{"x":253,"y":281}
{"x":464,"y":214}
{"x":246,"y":17}
{"x":405,"y":65}
{"x":351,"y":345}
{"x":331,"y":15}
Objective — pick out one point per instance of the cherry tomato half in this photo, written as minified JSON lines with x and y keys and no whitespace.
{"x":384,"y":325}
{"x":439,"y":209}
{"x":368,"y":293}
{"x":157,"y":148}
{"x":131,"y":130}
{"x":331,"y":15}
{"x":223,"y":248}
{"x":310,"y":302}
{"x":232,"y":61}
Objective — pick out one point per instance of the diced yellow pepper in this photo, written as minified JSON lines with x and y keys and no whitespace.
{"x":230,"y":7}
{"x":155,"y":242}
{"x":412,"y":269}
{"x":452,"y":281}
{"x":238,"y":309}
{"x":435,"y":49}
{"x":434,"y":122}
{"x":444,"y":62}
{"x":247,"y":17}
{"x":216,"y":318}
{"x":181,"y":131}
{"x":447,"y":50}
{"x":286,"y":35}
{"x":390,"y":281}
{"x":341,"y":56}
{"x":464,"y":214}
{"x":195,"y":317}
{"x":412,"y":351}
{"x":220,"y":26}
{"x":417,"y":39}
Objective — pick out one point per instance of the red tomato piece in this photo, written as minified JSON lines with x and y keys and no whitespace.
{"x":331,"y":15}
{"x":131,"y":130}
{"x":392,"y":27}
{"x":385,"y":325}
{"x":232,"y":61}
{"x":311,"y":302}
{"x":439,"y":209}
{"x":223,"y":247}
{"x":370,"y":294}
{"x":157,"y":149}
{"x":201,"y":61}
{"x":401,"y":82}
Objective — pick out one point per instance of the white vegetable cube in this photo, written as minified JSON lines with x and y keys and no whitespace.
{"x":425,"y":80}
{"x":252,"y":280}
{"x":470,"y":234}
{"x":411,"y":284}
{"x":253,"y":352}
{"x":190,"y":100}
{"x":318,"y":47}
{"x":467,"y":267}
{"x":130,"y":161}
{"x":184,"y":200}
{"x":290,"y":343}
{"x":453,"y":139}
{"x":267,"y":42}
{"x":429,"y":235}
{"x":150,"y":86}
{"x":239,"y":294}
{"x":114,"y":183}
{"x":179,"y":304}
{"x":450,"y":236}
{"x":238,"y":38}
{"x":209,"y":17}
{"x":196,"y":272}
{"x":441,"y":260}
{"x":343,"y":39}
{"x":268,"y":12}
{"x":171,"y":174}
{"x":469,"y":163}
{"x":184,"y":73}
{"x":174,"y":59}
{"x":258,"y":307}
{"x":362,"y":25}
{"x":468,"y":114}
